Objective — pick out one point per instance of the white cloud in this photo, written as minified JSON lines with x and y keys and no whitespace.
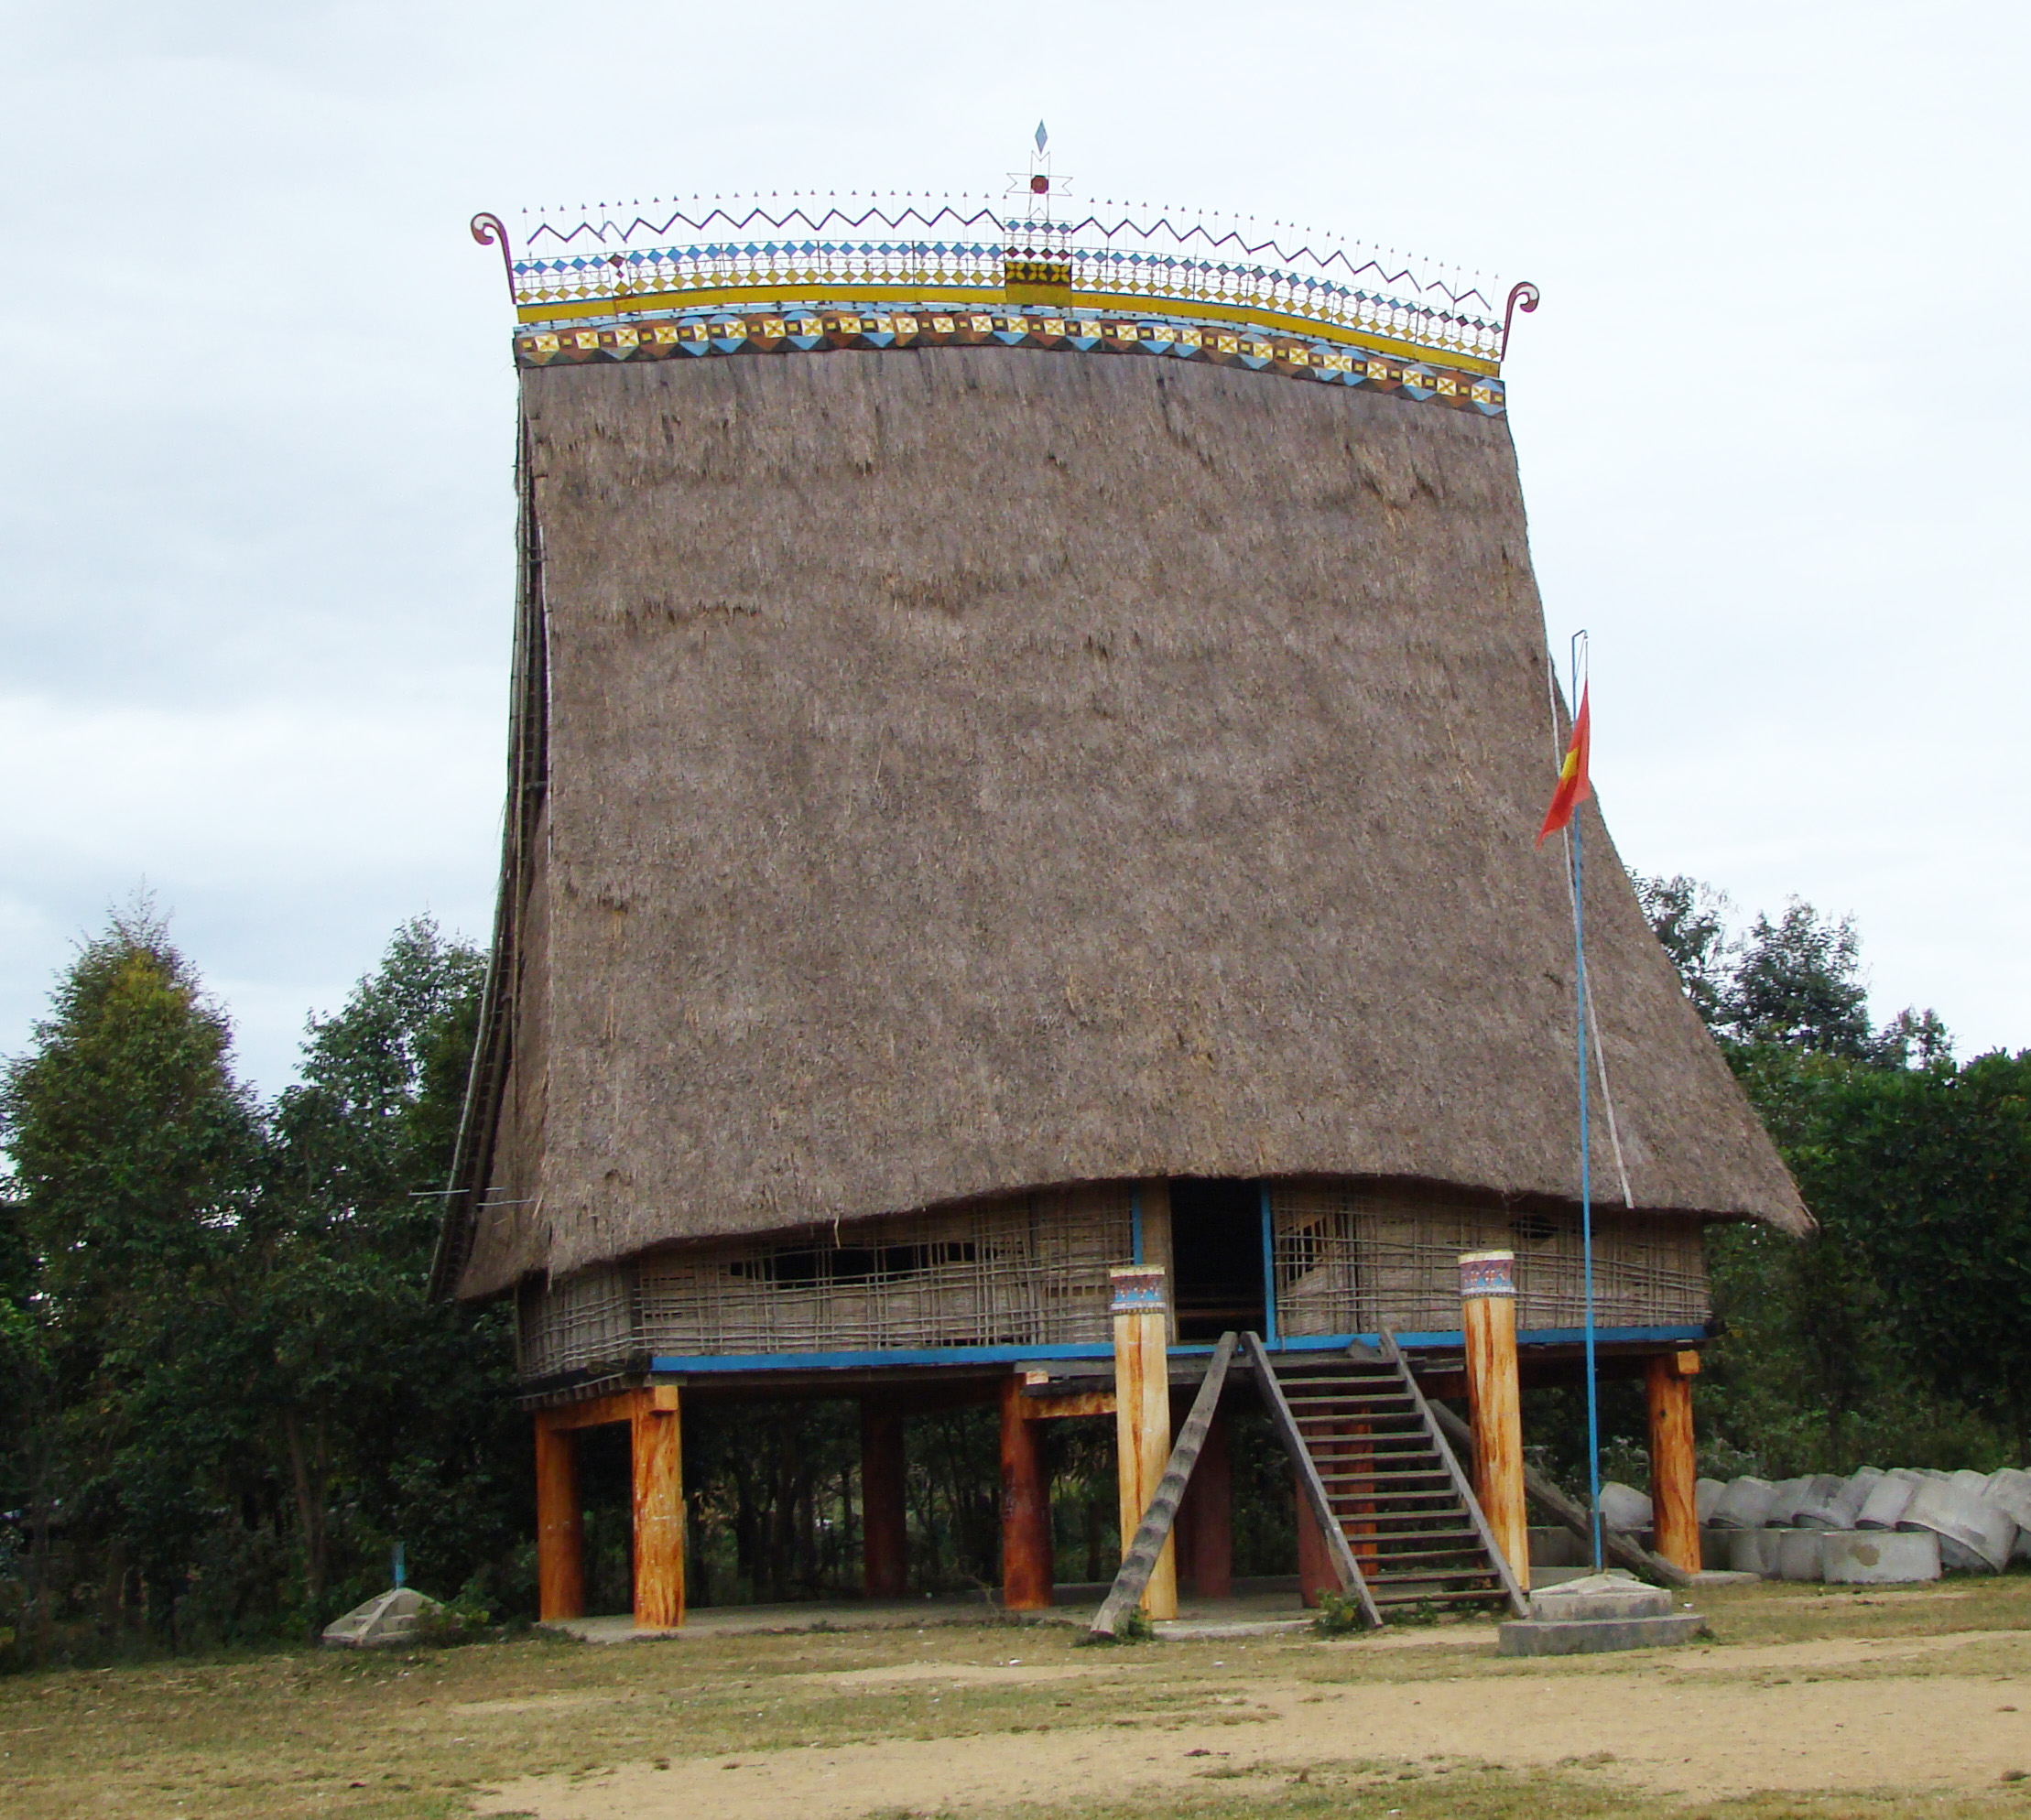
{"x":255,"y":518}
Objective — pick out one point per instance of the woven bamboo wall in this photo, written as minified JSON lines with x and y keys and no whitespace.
{"x":1352,"y":1258}
{"x":1031,"y":1270}
{"x":1028,"y":1270}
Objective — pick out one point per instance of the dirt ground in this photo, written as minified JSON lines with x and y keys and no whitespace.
{"x":1804,"y":1702}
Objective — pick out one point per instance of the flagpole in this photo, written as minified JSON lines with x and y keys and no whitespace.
{"x":1586,"y":1173}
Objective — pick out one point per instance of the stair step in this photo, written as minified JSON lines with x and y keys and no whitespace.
{"x":1353,"y":1400}
{"x":1359,"y":1478}
{"x":1374,"y":1532}
{"x":1433,"y":1576}
{"x":1398,"y":1440}
{"x":1490,"y":1595}
{"x":1395,"y":1541}
{"x":1388,"y":1482}
{"x":1404,"y":1498}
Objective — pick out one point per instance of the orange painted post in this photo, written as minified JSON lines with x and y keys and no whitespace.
{"x":1142,"y":1417}
{"x":560,"y":1523}
{"x":1494,"y":1401}
{"x":884,"y":1523}
{"x":1674,"y":1474}
{"x":656,"y":1434}
{"x":1026,"y":1565}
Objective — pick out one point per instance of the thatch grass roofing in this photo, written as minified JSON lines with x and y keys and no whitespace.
{"x":972,"y":769}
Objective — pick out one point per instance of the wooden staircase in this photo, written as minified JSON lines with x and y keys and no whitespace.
{"x":1400,"y":1519}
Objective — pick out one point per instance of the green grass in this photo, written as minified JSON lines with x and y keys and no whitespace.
{"x":419,"y":1734}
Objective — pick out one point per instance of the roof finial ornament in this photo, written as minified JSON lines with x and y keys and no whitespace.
{"x":489,"y":231}
{"x":1035,"y":182}
{"x":1524,"y":293}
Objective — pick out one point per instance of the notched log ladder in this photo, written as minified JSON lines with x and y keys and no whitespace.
{"x":1154,"y":1531}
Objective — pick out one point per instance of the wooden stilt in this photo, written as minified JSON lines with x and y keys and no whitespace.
{"x":1026,"y":1565}
{"x":1674,"y":1476}
{"x":884,"y":1526}
{"x":1494,"y":1401}
{"x":1360,"y":1520}
{"x":1206,"y":1521}
{"x":1315,"y":1561}
{"x":560,"y":1523}
{"x":1142,"y":1417}
{"x":656,"y":1434}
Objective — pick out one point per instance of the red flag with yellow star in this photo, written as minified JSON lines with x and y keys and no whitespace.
{"x":1572,"y":787}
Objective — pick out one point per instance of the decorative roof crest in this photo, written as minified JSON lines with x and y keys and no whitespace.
{"x":957,"y":249}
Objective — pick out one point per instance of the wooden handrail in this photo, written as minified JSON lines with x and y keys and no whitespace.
{"x":1573,"y":1514}
{"x":1517,"y":1602}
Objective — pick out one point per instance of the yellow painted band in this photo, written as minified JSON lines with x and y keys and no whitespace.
{"x":590,"y":308}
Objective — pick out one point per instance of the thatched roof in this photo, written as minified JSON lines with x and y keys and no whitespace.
{"x":973,"y":769}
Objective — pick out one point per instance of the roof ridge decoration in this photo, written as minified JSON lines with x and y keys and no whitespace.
{"x":940,"y":252}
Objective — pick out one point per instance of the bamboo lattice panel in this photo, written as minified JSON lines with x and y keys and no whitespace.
{"x":1350,"y":1258}
{"x":575,"y":1322}
{"x":1030,"y":1271}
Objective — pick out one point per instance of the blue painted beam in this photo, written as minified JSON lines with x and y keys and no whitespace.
{"x":702,"y":1364}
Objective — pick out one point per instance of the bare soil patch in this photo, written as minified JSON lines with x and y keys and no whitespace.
{"x":1801,"y":1707}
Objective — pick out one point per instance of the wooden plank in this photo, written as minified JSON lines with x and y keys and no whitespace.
{"x":1517,"y":1602}
{"x":621,"y":1406}
{"x":1071,"y":1402}
{"x":1321,"y":1506}
{"x":1569,"y":1512}
{"x":1154,"y":1531}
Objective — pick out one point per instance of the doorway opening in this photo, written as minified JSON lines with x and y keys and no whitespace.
{"x":1216,"y":1245}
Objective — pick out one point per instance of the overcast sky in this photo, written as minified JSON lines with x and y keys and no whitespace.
{"x":255,"y":503}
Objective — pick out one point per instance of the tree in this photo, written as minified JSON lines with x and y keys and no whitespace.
{"x":1932,"y":1170}
{"x":1821,"y":1365}
{"x":1689,"y":919}
{"x":136,"y":1155}
{"x":1798,"y":983}
{"x":403,"y":1410}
